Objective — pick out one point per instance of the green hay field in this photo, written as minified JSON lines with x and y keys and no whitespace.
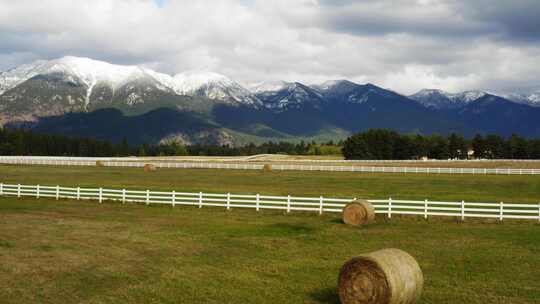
{"x":70,"y":251}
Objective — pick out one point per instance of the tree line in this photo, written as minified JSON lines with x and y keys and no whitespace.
{"x":25,"y":142}
{"x":388,"y":144}
{"x":372,"y":144}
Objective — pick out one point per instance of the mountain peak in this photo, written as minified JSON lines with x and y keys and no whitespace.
{"x":426,"y":92}
{"x":78,"y":69}
{"x":268,"y":86}
{"x":283,"y":95}
{"x":214,"y":86}
{"x":531,"y":99}
{"x":337,"y":84}
{"x":202,"y":76}
{"x":439,"y":99}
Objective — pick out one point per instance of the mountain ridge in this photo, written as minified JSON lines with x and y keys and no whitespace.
{"x":280,"y":110}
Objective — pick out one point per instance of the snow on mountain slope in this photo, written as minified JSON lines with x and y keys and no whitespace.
{"x":214,"y":86}
{"x":86,"y":70}
{"x":89,"y":73}
{"x":531,"y":99}
{"x":350,"y":92}
{"x":335,"y":85}
{"x":289,"y":95}
{"x":13,"y":77}
{"x":268,"y":86}
{"x":439,"y":99}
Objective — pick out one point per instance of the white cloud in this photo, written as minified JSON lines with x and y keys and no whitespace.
{"x":404,"y":45}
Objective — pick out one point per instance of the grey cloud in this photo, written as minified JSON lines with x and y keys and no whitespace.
{"x":511,"y":20}
{"x":404,"y":45}
{"x":515,"y":20}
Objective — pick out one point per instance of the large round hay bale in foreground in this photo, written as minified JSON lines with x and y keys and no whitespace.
{"x":267,"y":167}
{"x":149,"y":167}
{"x":388,"y":276}
{"x":100,"y":163}
{"x":359,"y":212}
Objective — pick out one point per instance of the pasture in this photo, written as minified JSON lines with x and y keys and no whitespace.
{"x":452,"y":187}
{"x":81,"y":251}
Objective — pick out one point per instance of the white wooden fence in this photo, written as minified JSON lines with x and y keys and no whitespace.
{"x":288,"y":203}
{"x":256,"y":158}
{"x":112,"y":162}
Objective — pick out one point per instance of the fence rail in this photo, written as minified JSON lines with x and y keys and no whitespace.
{"x":73,"y":161}
{"x":288,"y":203}
{"x":257,"y":158}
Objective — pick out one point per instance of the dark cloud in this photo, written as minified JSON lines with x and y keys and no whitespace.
{"x":453,"y":20}
{"x":509,"y":20}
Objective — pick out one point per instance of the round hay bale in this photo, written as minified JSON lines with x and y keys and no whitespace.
{"x":267,"y":167}
{"x":388,"y":276}
{"x":100,"y":163}
{"x":359,"y":212}
{"x":149,"y":167}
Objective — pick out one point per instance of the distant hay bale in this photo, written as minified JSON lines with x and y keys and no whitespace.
{"x":388,"y":276}
{"x":100,"y":164}
{"x":149,"y":167}
{"x":359,"y":212}
{"x":267,"y":167}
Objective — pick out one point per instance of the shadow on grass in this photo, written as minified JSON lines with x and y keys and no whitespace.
{"x":291,"y":229}
{"x":326,"y":295}
{"x":336,"y":221}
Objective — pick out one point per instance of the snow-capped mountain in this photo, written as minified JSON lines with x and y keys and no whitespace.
{"x":90,"y":73}
{"x":214,"y":86}
{"x":268,"y":86}
{"x":81,"y":96}
{"x":75,"y":69}
{"x":531,"y":99}
{"x":441,"y":100}
{"x":344,"y":91}
{"x":288,"y":95}
{"x":74,"y":84}
{"x":341,"y":85}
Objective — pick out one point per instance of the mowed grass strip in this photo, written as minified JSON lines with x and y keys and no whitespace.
{"x":449,"y":187}
{"x":83,"y":252}
{"x":428,"y":164}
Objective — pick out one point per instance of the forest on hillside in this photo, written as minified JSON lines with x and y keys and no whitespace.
{"x":372,"y":144}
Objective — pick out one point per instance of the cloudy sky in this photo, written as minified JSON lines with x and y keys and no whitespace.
{"x":403,"y":45}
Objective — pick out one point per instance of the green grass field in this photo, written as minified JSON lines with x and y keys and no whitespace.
{"x":84,"y":252}
{"x":490,"y":188}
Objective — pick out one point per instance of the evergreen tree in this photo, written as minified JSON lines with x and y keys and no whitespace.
{"x":479,"y":146}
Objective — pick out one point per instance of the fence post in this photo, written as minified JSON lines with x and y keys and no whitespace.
{"x":123,"y":196}
{"x":173,"y":198}
{"x":1,"y":189}
{"x":200,"y":199}
{"x":501,"y":212}
{"x":19,"y":190}
{"x":289,"y":206}
{"x":321,"y":205}
{"x":228,"y":201}
{"x":37,"y":191}
{"x":463,"y":210}
{"x":147,"y":197}
{"x":100,"y":195}
{"x":425,"y":209}
{"x":257,"y":202}
{"x":539,"y":212}
{"x":57,"y":192}
{"x":390,"y":208}
{"x":78,"y":193}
